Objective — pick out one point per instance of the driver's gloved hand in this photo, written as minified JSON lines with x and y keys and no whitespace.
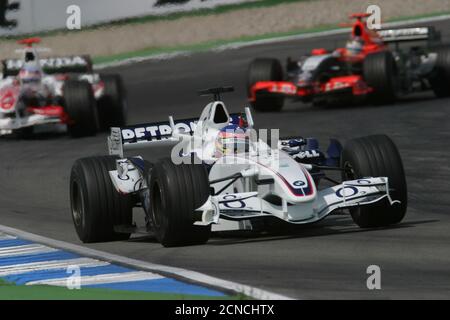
{"x":293,"y":146}
{"x":296,"y":143}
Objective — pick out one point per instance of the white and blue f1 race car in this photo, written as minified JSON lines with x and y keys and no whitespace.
{"x":221,"y":172}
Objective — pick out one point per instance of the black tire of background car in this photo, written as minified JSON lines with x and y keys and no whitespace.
{"x":89,"y":64}
{"x":265,"y":69}
{"x":99,"y":206}
{"x":441,"y":80}
{"x":24,"y":133}
{"x":175,"y":192}
{"x":80,"y":105}
{"x":381,"y":73}
{"x":112,"y":106}
{"x":376,"y":156}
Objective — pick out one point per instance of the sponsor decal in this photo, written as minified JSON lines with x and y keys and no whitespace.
{"x":7,"y":101}
{"x":330,"y":86}
{"x":156,"y":131}
{"x":299,"y":183}
{"x":346,"y":192}
{"x":232,"y":198}
{"x":59,"y":62}
{"x":308,"y":154}
{"x":399,"y":34}
{"x":286,"y":88}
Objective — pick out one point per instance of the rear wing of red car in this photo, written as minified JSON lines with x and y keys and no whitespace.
{"x":429,"y":34}
{"x":51,"y":65}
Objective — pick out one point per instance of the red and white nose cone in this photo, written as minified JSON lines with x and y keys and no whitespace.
{"x":7,"y":102}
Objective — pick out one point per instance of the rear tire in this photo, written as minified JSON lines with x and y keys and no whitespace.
{"x":381,"y":73}
{"x":376,"y":156}
{"x":79,"y":103}
{"x":25,"y":133}
{"x":265,"y":69}
{"x":175,"y":192}
{"x":95,"y":204}
{"x":441,"y":81}
{"x":112,"y":106}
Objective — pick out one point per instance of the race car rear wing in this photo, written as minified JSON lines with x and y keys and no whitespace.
{"x":410,"y":34}
{"x":142,"y":135}
{"x":75,"y":64}
{"x":154,"y":134}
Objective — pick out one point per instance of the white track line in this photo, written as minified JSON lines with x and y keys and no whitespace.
{"x":50,"y":265}
{"x":101,"y":279}
{"x":133,"y":60}
{"x":5,"y":236}
{"x":242,"y":44}
{"x":177,"y":273}
{"x":25,"y":249}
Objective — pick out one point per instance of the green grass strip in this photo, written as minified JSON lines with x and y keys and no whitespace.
{"x":204,"y":46}
{"x":13,"y":292}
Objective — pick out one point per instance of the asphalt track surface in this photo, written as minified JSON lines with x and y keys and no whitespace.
{"x":327,"y":260}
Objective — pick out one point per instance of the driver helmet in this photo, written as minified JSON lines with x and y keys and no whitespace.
{"x":232,"y":139}
{"x":354,"y":46}
{"x":30,"y":74}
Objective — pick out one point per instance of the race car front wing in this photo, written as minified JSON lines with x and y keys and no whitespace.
{"x":353,"y":85}
{"x":244,"y":206}
{"x":37,"y":116}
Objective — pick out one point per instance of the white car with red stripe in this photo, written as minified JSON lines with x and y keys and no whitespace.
{"x":64,"y":91}
{"x":196,"y":187}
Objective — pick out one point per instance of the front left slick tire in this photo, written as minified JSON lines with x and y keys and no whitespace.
{"x":176,"y":191}
{"x":96,"y":206}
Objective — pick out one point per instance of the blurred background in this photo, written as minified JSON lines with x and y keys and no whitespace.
{"x":113,"y":27}
{"x":28,"y":16}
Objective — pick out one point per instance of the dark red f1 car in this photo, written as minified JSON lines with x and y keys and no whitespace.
{"x":366,"y":69}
